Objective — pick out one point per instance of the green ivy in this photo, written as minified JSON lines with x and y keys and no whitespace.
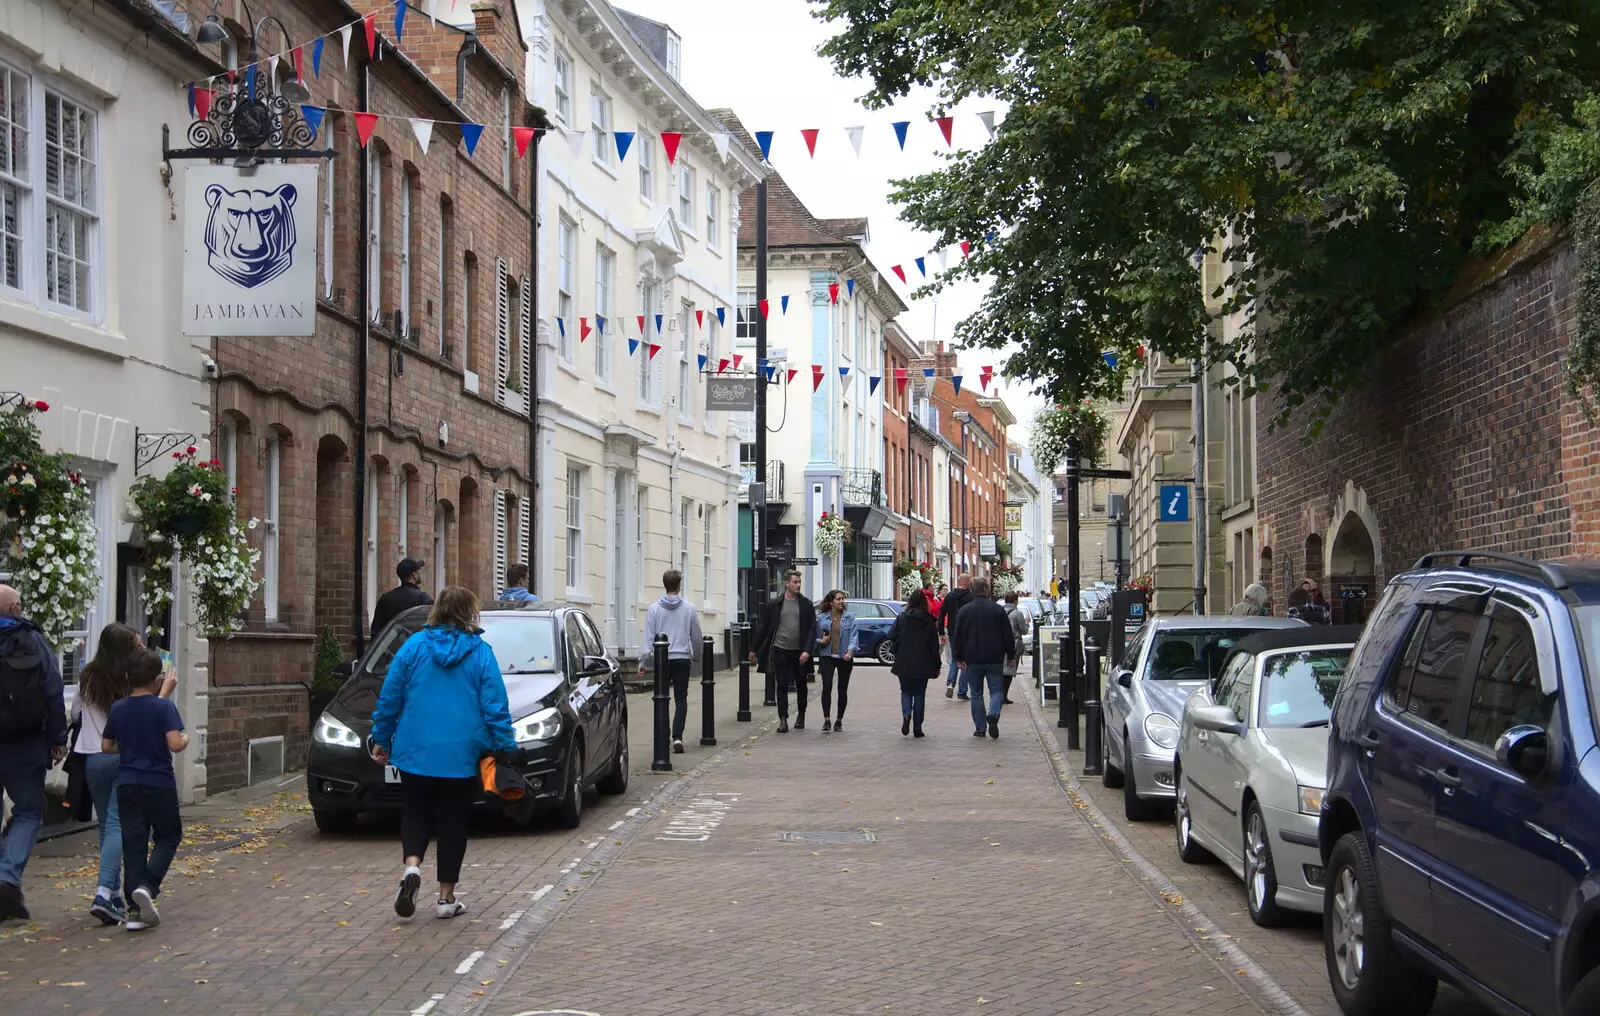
{"x":329,"y":655}
{"x":1583,"y":356}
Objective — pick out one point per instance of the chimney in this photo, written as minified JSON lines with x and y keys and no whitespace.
{"x":486,"y":16}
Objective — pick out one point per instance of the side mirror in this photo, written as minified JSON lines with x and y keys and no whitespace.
{"x":1125,"y":678}
{"x":343,"y":671}
{"x":1219,"y":719}
{"x":1525,"y":750}
{"x":596,"y":665}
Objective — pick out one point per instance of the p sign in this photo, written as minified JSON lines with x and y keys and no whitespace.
{"x":1174,"y":502}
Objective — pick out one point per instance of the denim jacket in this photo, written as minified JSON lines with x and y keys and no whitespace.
{"x":849,"y":637}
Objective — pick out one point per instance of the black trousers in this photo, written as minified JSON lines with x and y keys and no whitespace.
{"x":438,"y":808}
{"x":151,"y":832}
{"x":830,"y":666}
{"x":787,"y":672}
{"x":679,"y":671}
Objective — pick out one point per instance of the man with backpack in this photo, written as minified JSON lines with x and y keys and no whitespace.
{"x":33,"y":737}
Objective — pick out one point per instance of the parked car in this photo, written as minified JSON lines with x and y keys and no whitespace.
{"x":1161,"y":667}
{"x":1251,"y":763}
{"x":874,"y":618}
{"x":568,"y":709}
{"x":1461,"y":823}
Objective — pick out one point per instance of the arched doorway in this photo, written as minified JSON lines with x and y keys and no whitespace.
{"x":1352,"y":571}
{"x":335,"y":530}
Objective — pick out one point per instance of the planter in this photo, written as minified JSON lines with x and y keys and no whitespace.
{"x":187,"y":525}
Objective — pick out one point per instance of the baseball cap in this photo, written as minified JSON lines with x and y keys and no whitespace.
{"x":407,"y":567}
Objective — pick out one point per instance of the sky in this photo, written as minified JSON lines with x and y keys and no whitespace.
{"x":765,"y":67}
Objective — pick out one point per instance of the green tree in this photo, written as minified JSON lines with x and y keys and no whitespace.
{"x":1351,"y":154}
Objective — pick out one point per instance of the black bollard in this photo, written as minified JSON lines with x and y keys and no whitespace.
{"x":1093,"y":746}
{"x":769,"y":693}
{"x":1038,"y":658}
{"x":1068,"y":690}
{"x":659,"y":761}
{"x":708,"y":684}
{"x":743,"y":716}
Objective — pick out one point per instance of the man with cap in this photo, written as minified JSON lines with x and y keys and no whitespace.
{"x":401,"y":598}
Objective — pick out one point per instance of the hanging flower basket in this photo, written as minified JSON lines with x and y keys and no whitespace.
{"x":910,"y":583}
{"x":1144,"y":583}
{"x":1052,"y":427}
{"x":832,"y":532}
{"x":1005,"y":578}
{"x":48,"y":540}
{"x":188,"y":514}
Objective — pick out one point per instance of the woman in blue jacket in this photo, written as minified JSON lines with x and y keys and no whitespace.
{"x":838,"y":641}
{"x":443,"y":708}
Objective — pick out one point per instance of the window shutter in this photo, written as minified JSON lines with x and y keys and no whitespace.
{"x":524,"y":532}
{"x":527,"y":343}
{"x":502,"y":328}
{"x":500,"y":538}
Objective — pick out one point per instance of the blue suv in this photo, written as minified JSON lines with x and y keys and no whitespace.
{"x":1460,"y":831}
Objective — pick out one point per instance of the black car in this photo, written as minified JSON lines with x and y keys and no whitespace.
{"x":568,"y":709}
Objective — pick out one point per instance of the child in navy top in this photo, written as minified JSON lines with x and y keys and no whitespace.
{"x":146,"y":729}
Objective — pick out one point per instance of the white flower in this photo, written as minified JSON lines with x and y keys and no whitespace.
{"x":205,"y":496}
{"x":252,"y":523}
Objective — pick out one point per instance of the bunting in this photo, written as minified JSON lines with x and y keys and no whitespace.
{"x":633,"y":346}
{"x":670,"y":141}
{"x":764,"y":306}
{"x":946,"y":127}
{"x":872,"y":383}
{"x":955,"y":379}
{"x":722,"y":317}
{"x":899,"y":272}
{"x":423,"y":129}
{"x":922,"y":266}
{"x":817,"y":374}
{"x":583,"y":329}
{"x":810,"y":134}
{"x":722,"y":365}
{"x":369,"y":24}
{"x":366,"y":123}
{"x":624,"y":142}
{"x":900,"y":128}
{"x":792,"y":373}
{"x":470,"y":132}
{"x":833,"y":292}
{"x":655,"y":347}
{"x":523,"y":137}
{"x":764,"y":139}
{"x":703,"y":363}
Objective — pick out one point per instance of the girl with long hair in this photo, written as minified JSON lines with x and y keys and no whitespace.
{"x":916,"y":659}
{"x":836,"y":653}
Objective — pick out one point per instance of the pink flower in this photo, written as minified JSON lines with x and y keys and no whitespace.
{"x":190,"y":450}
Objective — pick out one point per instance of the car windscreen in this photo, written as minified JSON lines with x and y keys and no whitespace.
{"x":522,"y":645}
{"x":1298,"y":686}
{"x":1181,"y":654}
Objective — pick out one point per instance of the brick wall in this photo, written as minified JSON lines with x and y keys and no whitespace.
{"x":1463,"y":438}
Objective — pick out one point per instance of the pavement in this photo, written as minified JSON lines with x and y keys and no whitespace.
{"x":808,"y":872}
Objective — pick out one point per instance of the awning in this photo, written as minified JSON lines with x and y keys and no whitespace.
{"x":872,"y":522}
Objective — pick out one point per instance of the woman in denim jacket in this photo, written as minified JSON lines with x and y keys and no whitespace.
{"x":836,"y":653}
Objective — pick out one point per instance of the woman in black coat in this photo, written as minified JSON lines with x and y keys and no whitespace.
{"x":916,"y":659}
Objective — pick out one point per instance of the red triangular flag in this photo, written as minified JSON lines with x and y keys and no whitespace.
{"x":983,"y":379}
{"x":966,"y":248}
{"x":370,"y":23}
{"x":811,"y":140}
{"x":817,"y":375}
{"x":670,"y":141}
{"x":765,"y":306}
{"x":583,"y":328}
{"x":833,"y":292}
{"x":366,"y":123}
{"x":899,"y":380}
{"x":654,"y":349}
{"x":738,"y":358}
{"x":722,"y":365}
{"x":298,"y":71}
{"x":202,"y":102}
{"x":640,"y":319}
{"x":699,"y":319}
{"x":946,"y":124}
{"x":792,"y":373}
{"x":524,"y":136}
{"x":901,"y":272}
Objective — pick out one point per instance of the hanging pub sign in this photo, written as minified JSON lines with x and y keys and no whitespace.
{"x":250,"y":250}
{"x":731,"y":393}
{"x":1014,"y":518}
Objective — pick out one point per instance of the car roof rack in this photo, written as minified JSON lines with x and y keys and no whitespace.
{"x":1463,"y":559}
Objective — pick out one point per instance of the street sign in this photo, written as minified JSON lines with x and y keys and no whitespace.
{"x":777,"y":554}
{"x":1174,"y":502}
{"x":1013,"y":518}
{"x":758,"y":495}
{"x":1352,"y":592}
{"x":730,"y":393}
{"x":987,"y":545}
{"x":805,"y":561}
{"x":882,"y":551}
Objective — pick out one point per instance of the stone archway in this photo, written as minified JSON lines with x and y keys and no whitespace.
{"x":1352,"y":570}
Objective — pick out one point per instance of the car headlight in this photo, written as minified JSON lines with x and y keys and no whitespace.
{"x":1310,"y":800}
{"x":1162,"y":729}
{"x":331,"y":731}
{"x":540,"y":726}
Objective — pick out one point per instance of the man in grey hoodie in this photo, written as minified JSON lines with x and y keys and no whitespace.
{"x":679,"y":621}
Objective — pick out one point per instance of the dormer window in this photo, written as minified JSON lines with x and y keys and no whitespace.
{"x":674,"y":55}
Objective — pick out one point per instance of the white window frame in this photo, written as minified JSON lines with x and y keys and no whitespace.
{"x":674,"y":56}
{"x":713,"y":216}
{"x":327,"y":177}
{"x":372,"y":538}
{"x":440,"y":536}
{"x":273,"y":484}
{"x":685,"y":332}
{"x":566,"y":283}
{"x":402,"y":509}
{"x":705,"y":557}
{"x":561,"y":81}
{"x":649,"y":384}
{"x":605,"y":274}
{"x":641,"y":529}
{"x":505,"y":137}
{"x":685,"y":510}
{"x":576,"y":480}
{"x":746,"y":315}
{"x":444,"y":275}
{"x":647,"y":165}
{"x":374,"y":234}
{"x":600,"y":125}
{"x":687,"y":179}
{"x":405,"y":258}
{"x":228,"y":453}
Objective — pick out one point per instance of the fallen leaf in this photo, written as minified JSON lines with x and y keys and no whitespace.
{"x":487,"y":983}
{"x":200,"y":980}
{"x":876,"y":924}
{"x":71,"y":984}
{"x":477,"y":991}
{"x":988,"y":783}
{"x":343,"y":923}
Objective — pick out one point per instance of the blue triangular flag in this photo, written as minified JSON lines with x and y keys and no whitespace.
{"x":927,"y":372}
{"x":784,"y":300}
{"x":900,"y":132}
{"x":761,"y":365}
{"x":316,"y":57}
{"x":399,"y":19}
{"x":250,"y":81}
{"x":722,"y":316}
{"x":470,"y":132}
{"x":850,"y":288}
{"x":313,"y":117}
{"x":561,"y":326}
{"x":990,"y":236}
{"x":191,"y":98}
{"x":764,"y":139}
{"x":922,"y":266}
{"x":872,"y":383}
{"x":658,"y":324}
{"x":702,"y":363}
{"x":844,"y":371}
{"x":624,"y":142}
{"x":772,"y":374}
{"x":633,"y":346}
{"x":599,"y":324}
{"x":1110,"y":358}
{"x":955,"y":379}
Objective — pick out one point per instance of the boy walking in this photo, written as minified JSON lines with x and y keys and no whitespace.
{"x":676,"y":618}
{"x":146,"y":729}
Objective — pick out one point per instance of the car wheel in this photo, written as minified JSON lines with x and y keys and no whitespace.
{"x":334,"y":821}
{"x":1134,"y":807}
{"x":1260,"y":877}
{"x":615,"y":781}
{"x":885,"y":653}
{"x":1586,"y":996}
{"x":569,"y":813}
{"x":1110,"y":776}
{"x":1189,"y":851}
{"x":1365,"y":970}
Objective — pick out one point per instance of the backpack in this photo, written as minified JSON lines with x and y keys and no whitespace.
{"x":23,"y":708}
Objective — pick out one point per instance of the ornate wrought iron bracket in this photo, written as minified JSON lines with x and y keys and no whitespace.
{"x":151,"y":445}
{"x":252,"y":129}
{"x":10,"y":399}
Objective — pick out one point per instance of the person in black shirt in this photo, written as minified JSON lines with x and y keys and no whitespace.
{"x":401,"y":598}
{"x":982,"y":641}
{"x":959,"y":597}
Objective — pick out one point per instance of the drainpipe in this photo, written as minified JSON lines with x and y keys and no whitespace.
{"x":1201,"y":520}
{"x":533,"y":361}
{"x":358,"y":611}
{"x":468,"y":50}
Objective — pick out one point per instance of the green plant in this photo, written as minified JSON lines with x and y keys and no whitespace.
{"x":329,"y":655}
{"x":1583,"y":354}
{"x":832,"y":532}
{"x":1052,"y":427}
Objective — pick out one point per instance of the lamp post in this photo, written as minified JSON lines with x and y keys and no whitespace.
{"x":214,"y":31}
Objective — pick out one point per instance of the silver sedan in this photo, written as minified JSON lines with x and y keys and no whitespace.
{"x":1166,"y":662}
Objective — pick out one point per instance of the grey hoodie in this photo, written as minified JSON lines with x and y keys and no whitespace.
{"x":677,"y":619}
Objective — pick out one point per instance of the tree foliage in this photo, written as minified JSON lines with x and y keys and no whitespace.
{"x":1344,"y":158}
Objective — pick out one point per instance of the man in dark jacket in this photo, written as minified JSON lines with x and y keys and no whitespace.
{"x":33,"y":737}
{"x":959,"y":597}
{"x":787,"y":630}
{"x":981,"y":643}
{"x":401,"y":598}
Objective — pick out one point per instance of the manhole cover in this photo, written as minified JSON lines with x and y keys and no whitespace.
{"x":828,"y":836}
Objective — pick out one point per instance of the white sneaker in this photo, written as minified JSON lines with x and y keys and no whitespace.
{"x":149,"y":917}
{"x":452,"y":908}
{"x":133,"y":922}
{"x":405,"y":901}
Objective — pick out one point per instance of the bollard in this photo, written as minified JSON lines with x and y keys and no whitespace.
{"x":708,"y":683}
{"x":1038,"y":658}
{"x":769,"y":694}
{"x":660,"y":762}
{"x":1093,"y":746}
{"x":743,"y":716}
{"x":1068,"y":692}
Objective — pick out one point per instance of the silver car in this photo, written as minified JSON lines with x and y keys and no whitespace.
{"x":1166,"y":662}
{"x":1252,"y":765}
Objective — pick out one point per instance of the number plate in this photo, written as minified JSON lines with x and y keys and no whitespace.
{"x":391,"y":774}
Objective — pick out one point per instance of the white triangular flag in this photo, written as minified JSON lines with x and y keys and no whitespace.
{"x":344,"y":41}
{"x":272,"y":67}
{"x":721,"y":143}
{"x":575,"y":142}
{"x":423,"y":129}
{"x":875,"y":279}
{"x":988,"y":121}
{"x":944,"y":258}
{"x":855,"y":137}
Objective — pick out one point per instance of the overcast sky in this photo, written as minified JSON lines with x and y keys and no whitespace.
{"x":767,"y":70}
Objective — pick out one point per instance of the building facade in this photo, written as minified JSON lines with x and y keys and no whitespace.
{"x":907,"y":454}
{"x":637,"y":296}
{"x":975,"y":427}
{"x":1033,"y":540}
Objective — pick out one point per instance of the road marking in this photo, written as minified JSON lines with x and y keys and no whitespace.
{"x":425,"y":1008}
{"x":511,"y":918}
{"x":632,"y":812}
{"x":541,"y":892}
{"x":613,"y":827}
{"x":468,"y":963}
{"x":696,"y":823}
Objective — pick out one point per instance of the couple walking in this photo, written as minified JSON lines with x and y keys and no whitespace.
{"x":791,"y":631}
{"x":983,"y":645}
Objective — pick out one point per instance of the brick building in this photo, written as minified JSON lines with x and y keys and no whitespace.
{"x":1465,"y":437}
{"x":975,"y":427}
{"x":907,"y":455}
{"x":445,"y":313}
